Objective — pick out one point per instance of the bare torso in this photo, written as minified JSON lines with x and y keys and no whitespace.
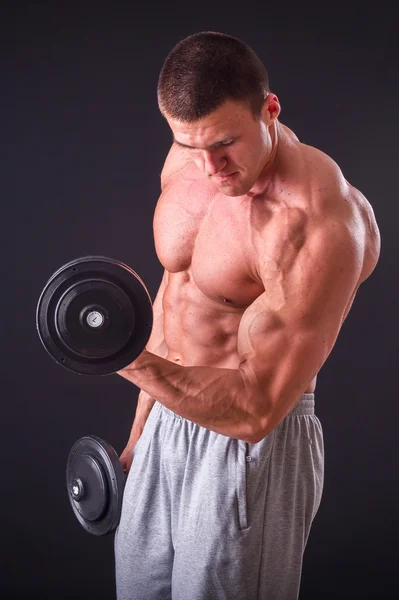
{"x":210,"y":245}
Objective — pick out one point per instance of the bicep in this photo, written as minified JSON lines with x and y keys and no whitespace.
{"x":282,"y":345}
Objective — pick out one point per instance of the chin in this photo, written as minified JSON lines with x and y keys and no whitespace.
{"x":238,"y":190}
{"x":235,"y":189}
{"x":232,"y":193}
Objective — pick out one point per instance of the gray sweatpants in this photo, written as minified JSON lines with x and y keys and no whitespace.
{"x":208,"y":517}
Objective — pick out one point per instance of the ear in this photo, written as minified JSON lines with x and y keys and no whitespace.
{"x":271,"y":108}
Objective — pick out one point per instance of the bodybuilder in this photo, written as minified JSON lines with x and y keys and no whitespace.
{"x":264,"y":245}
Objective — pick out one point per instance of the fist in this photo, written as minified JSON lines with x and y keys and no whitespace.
{"x":126,"y":458}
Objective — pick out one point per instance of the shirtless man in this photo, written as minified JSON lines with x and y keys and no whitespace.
{"x":264,"y":245}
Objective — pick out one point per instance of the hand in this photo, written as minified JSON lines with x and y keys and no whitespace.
{"x":126,"y":458}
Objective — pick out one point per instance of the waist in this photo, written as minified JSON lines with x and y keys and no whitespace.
{"x":304,"y":406}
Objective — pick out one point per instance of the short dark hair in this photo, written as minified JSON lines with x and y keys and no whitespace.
{"x":204,"y":70}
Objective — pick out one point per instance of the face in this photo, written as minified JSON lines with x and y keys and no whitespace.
{"x":230,"y":146}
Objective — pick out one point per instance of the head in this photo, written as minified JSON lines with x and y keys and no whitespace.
{"x":214,"y":92}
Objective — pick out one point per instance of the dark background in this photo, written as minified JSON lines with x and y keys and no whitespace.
{"x":83,"y":145}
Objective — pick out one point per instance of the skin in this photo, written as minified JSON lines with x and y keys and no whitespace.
{"x":261,"y":270}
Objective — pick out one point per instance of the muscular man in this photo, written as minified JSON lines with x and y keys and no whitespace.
{"x":264,"y":244}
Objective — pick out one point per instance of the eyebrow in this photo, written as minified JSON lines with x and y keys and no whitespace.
{"x":215,"y":145}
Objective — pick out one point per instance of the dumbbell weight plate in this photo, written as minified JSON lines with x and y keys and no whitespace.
{"x":94,"y":315}
{"x":95,"y":483}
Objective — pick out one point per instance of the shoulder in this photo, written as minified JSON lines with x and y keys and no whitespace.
{"x":178,"y":166}
{"x":339,"y":206}
{"x":323,"y":213}
{"x":185,"y":192}
{"x":183,"y":186}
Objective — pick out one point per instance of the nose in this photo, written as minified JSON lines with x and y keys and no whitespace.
{"x":213,"y":162}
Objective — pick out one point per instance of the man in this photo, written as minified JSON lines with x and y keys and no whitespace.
{"x":264,"y":245}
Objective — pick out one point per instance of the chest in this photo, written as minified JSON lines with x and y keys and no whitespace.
{"x":213,"y":244}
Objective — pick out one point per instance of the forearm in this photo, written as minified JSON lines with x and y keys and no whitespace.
{"x":217,"y":399}
{"x":145,"y":403}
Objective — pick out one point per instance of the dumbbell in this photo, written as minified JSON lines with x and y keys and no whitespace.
{"x":94,"y":317}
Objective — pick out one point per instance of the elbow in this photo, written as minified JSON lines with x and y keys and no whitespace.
{"x":257,"y":422}
{"x":251,"y":439}
{"x":256,"y":432}
{"x":262,"y":426}
{"x":255,"y":437}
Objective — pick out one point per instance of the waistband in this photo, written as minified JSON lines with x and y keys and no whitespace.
{"x":304,"y":406}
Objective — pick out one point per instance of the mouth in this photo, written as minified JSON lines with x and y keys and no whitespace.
{"x":224,"y":178}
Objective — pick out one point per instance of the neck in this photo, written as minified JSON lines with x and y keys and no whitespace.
{"x":269,"y":168}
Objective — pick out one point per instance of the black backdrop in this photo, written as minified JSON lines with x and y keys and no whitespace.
{"x":83,"y":145}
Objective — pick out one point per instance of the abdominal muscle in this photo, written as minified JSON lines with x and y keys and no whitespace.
{"x":200,"y":329}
